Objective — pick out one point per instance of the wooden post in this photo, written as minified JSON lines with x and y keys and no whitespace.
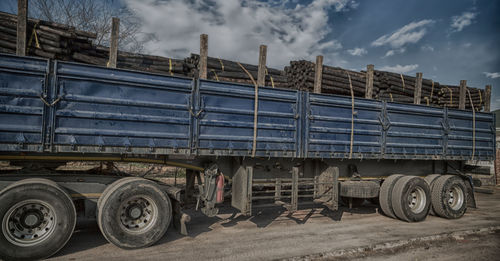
{"x":22,"y":22}
{"x":113,"y":46}
{"x":319,"y":74}
{"x":418,"y":89}
{"x":461,"y":98}
{"x":203,"y":56}
{"x":369,"y":81}
{"x":261,"y":73}
{"x":487,"y":99}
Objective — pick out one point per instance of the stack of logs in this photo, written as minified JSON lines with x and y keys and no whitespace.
{"x":397,"y":87}
{"x":449,"y":96}
{"x":334,"y":80}
{"x":229,"y":71}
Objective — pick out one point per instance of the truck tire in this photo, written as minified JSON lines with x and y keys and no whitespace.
{"x":111,"y":186}
{"x":430,"y":181}
{"x":411,"y":199}
{"x":134,"y":213}
{"x":38,"y":218}
{"x":449,"y":197}
{"x":385,"y":195}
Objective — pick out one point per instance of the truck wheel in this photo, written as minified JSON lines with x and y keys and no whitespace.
{"x":38,"y":218}
{"x":411,"y":199}
{"x":134,"y":213}
{"x":449,"y":197}
{"x":430,"y":181}
{"x":385,"y":196}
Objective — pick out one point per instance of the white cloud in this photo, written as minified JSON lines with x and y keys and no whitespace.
{"x":410,"y":33}
{"x":459,"y":22}
{"x":400,"y":68}
{"x":357,"y":51}
{"x":427,"y":48}
{"x":236,"y":28}
{"x":492,"y":75}
{"x":393,"y":52}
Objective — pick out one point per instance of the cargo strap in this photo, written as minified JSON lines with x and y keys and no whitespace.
{"x":427,"y":100}
{"x":390,"y":95}
{"x":473,"y":125}
{"x":402,"y":80}
{"x":432,"y":88}
{"x":170,"y":66}
{"x":272,"y":82}
{"x":35,"y":35}
{"x":255,"y":110}
{"x":49,"y":104}
{"x":480,"y":97}
{"x":352,"y":115}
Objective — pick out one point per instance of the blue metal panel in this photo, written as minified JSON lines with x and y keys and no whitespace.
{"x":22,"y":83}
{"x":109,"y":110}
{"x":328,"y":127}
{"x":226,"y":115}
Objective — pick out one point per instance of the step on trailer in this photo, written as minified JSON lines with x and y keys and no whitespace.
{"x":270,"y":146}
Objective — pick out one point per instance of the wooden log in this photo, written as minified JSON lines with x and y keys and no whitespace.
{"x":369,"y":81}
{"x":418,"y":89}
{"x":487,"y":98}
{"x":461,"y":99}
{"x":22,"y":22}
{"x":89,"y":59}
{"x":318,"y":74}
{"x":203,"y":56}
{"x":261,"y":73}
{"x":113,"y":48}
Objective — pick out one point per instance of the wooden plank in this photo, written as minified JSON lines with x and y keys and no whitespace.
{"x":203,"y":56}
{"x":418,"y":89}
{"x":113,"y":50}
{"x":318,"y":77}
{"x":22,"y":22}
{"x":487,"y":100}
{"x":261,"y":72}
{"x":462,"y":94}
{"x":369,"y":81}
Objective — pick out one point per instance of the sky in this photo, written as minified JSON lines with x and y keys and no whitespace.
{"x":448,"y":40}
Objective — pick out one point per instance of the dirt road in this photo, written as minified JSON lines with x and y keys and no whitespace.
{"x":312,"y":233}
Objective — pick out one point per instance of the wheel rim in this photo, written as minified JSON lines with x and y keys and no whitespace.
{"x":417,"y":200}
{"x":455,"y":197}
{"x":138,"y":214}
{"x":29,"y":222}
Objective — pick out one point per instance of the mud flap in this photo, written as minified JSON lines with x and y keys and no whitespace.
{"x":241,"y":198}
{"x":327,"y":188}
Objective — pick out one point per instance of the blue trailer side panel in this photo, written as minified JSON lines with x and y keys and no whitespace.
{"x":225,"y":120}
{"x":22,"y":91}
{"x":106,"y":110}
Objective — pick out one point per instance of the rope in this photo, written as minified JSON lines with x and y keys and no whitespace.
{"x":402,"y":80}
{"x":432,"y":88}
{"x":49,"y":104}
{"x":216,"y":77}
{"x":272,"y":81}
{"x":34,"y":33}
{"x":221,"y":64}
{"x":427,"y":100}
{"x":473,"y":125}
{"x":451,"y":95}
{"x":255,"y":110}
{"x":170,"y":66}
{"x":390,"y":95}
{"x":480,"y":97}
{"x":352,"y":116}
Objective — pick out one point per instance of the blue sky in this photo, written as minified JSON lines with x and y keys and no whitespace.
{"x":448,"y":41}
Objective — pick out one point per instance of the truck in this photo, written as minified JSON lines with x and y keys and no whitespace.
{"x":261,"y":146}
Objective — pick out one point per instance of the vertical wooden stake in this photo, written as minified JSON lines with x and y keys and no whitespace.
{"x":369,"y":81}
{"x":418,"y":89}
{"x":22,"y":22}
{"x":461,"y":98}
{"x":113,"y":46}
{"x":318,"y":78}
{"x":203,"y":56}
{"x":261,"y":73}
{"x":487,"y":98}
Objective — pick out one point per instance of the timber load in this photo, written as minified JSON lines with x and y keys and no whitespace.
{"x":231,"y":71}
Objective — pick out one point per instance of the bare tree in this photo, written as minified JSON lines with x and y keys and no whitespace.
{"x":93,"y":16}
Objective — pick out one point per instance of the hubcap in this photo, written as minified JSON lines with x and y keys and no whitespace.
{"x":455,"y":197}
{"x":417,"y":200}
{"x":29,"y":222}
{"x":138,"y":213}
